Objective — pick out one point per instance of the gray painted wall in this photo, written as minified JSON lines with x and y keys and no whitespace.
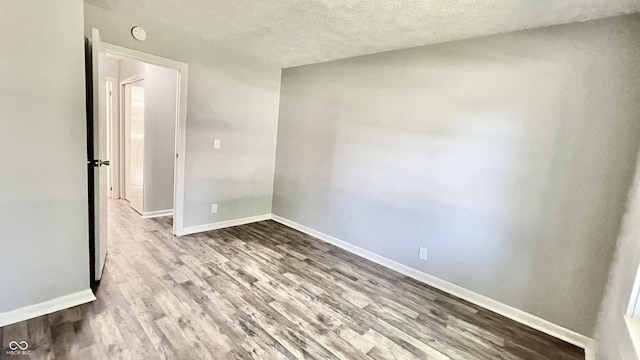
{"x":159,"y":137}
{"x":229,"y":97}
{"x":611,"y":331}
{"x":509,"y":157}
{"x":43,"y":157}
{"x":159,"y":130}
{"x":130,"y":69}
{"x":112,"y":69}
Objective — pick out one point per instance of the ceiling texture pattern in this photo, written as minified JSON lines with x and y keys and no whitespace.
{"x":296,"y":32}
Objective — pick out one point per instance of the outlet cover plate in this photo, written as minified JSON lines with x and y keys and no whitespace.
{"x":423,"y":253}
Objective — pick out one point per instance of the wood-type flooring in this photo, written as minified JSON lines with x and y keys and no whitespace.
{"x":264,"y":291}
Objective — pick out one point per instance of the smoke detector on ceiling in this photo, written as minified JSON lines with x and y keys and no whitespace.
{"x":138,"y":33}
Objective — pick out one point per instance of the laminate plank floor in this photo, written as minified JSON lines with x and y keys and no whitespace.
{"x":264,"y":291}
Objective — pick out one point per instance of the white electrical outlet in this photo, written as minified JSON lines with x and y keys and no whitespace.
{"x":214,"y":208}
{"x":216,"y":143}
{"x":423,"y":253}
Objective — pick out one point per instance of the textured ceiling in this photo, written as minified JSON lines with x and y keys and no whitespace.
{"x":296,"y":32}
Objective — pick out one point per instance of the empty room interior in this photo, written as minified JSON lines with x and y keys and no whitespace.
{"x":316,"y":179}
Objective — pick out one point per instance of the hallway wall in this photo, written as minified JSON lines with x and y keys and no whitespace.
{"x":161,"y":87}
{"x":160,"y":135}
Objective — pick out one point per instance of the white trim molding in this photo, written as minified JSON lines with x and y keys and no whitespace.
{"x":223,"y":224}
{"x":46,"y":307}
{"x":572,"y":337}
{"x":157,"y":213}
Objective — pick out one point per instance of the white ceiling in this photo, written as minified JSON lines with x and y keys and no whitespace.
{"x":296,"y":32}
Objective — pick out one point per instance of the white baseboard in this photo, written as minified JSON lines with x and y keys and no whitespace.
{"x":157,"y":213}
{"x":572,"y":337}
{"x":223,"y":224}
{"x":46,"y":307}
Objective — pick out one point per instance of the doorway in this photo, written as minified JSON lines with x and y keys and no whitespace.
{"x":123,"y":139}
{"x":146,"y":135}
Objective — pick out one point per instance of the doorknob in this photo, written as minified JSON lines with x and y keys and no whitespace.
{"x":98,"y":163}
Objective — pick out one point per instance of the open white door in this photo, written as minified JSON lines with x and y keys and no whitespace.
{"x":100,"y":154}
{"x":134,"y":148}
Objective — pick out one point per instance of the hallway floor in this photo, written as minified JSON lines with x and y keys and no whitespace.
{"x":265,"y":291}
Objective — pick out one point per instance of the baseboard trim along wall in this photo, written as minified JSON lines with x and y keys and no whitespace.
{"x":157,"y":213}
{"x":223,"y":224}
{"x":572,"y":337}
{"x":46,"y":307}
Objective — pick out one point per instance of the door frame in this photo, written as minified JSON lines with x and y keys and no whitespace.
{"x":181,"y":123}
{"x":113,"y":126}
